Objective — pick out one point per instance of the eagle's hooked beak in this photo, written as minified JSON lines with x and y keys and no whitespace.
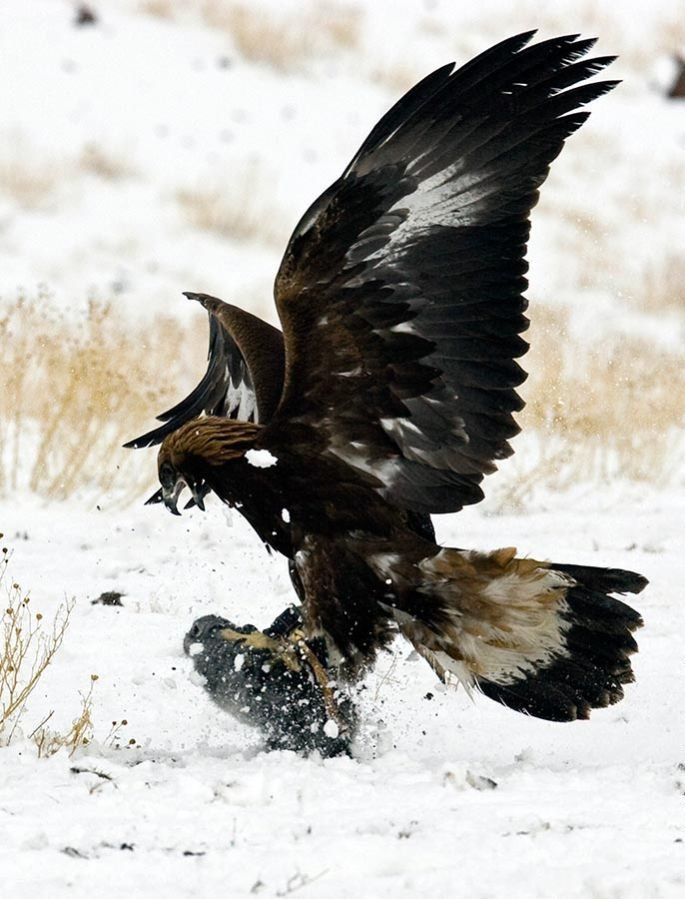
{"x":170,"y":496}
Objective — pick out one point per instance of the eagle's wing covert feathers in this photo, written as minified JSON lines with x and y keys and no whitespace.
{"x":401,"y":290}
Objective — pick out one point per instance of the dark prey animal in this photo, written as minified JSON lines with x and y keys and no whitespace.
{"x":401,"y":299}
{"x":273,"y":682}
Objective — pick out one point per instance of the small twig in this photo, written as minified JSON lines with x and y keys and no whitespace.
{"x":42,"y":724}
{"x":99,"y":784}
{"x":385,"y":678}
{"x":76,"y":770}
{"x":298,"y":880}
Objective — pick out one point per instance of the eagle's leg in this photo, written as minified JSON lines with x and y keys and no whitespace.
{"x":294,"y":651}
{"x":275,"y":680}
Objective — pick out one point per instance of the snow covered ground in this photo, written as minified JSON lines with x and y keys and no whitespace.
{"x":445,"y":797}
{"x":110,"y":134}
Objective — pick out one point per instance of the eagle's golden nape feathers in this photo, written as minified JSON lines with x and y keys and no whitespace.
{"x":530,"y":635}
{"x":213,"y":440}
{"x":190,"y":452}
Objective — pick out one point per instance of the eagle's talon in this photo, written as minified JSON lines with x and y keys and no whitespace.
{"x":278,"y":648}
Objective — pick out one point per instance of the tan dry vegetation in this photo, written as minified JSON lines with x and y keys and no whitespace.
{"x":659,"y":285}
{"x":160,"y":9}
{"x":244,"y":213}
{"x":27,"y":648}
{"x":97,"y":160}
{"x":71,"y":394}
{"x":49,"y":741}
{"x":663,"y":287}
{"x":29,"y":183}
{"x":618,"y":221}
{"x":586,"y":237}
{"x":280,"y":40}
{"x":663,"y":32}
{"x":33,"y":182}
{"x":28,"y":645}
{"x":601,"y":410}
{"x":285,"y":42}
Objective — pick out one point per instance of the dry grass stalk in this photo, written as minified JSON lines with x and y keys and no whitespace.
{"x":664,"y":285}
{"x":601,"y":411}
{"x":385,"y":678}
{"x":285,"y":42}
{"x":99,"y":161}
{"x":71,"y":393}
{"x":160,"y":9}
{"x":28,"y":647}
{"x":340,"y":23}
{"x":49,"y":741}
{"x":245,"y":213}
{"x":31,"y":185}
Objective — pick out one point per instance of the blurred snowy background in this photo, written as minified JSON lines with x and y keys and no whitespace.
{"x":149,"y":147}
{"x":153,"y":147}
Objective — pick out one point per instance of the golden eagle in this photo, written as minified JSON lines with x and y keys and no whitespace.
{"x":401,"y":299}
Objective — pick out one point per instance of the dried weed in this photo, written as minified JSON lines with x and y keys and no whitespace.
{"x":72,"y":393}
{"x":601,"y":410}
{"x":97,"y":160}
{"x":245,"y":213}
{"x":31,"y":184}
{"x":282,"y":42}
{"x":28,"y":645}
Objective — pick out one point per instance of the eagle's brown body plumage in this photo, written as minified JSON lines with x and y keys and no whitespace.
{"x":489,"y":620}
{"x":401,"y":300}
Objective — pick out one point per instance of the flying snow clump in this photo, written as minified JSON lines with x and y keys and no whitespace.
{"x":260,"y":458}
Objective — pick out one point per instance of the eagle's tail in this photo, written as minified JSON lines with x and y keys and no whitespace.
{"x":544,"y":639}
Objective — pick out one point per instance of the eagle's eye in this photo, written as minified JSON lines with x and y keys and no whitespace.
{"x":167,"y":476}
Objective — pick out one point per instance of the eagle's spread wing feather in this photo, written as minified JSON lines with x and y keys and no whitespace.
{"x":244,"y":376}
{"x":401,"y":290}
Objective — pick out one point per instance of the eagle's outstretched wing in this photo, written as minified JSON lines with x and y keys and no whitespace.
{"x":400,"y":292}
{"x":244,"y":377}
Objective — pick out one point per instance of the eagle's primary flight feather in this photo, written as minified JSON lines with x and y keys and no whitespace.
{"x":401,"y":299}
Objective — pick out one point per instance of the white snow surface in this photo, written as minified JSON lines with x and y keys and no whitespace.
{"x":586,"y":809}
{"x":444,"y":796}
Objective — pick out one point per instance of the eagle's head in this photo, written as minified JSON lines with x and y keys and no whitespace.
{"x":188,"y":456}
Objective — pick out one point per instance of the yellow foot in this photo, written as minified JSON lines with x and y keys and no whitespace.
{"x":281,"y":649}
{"x":292,"y":650}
